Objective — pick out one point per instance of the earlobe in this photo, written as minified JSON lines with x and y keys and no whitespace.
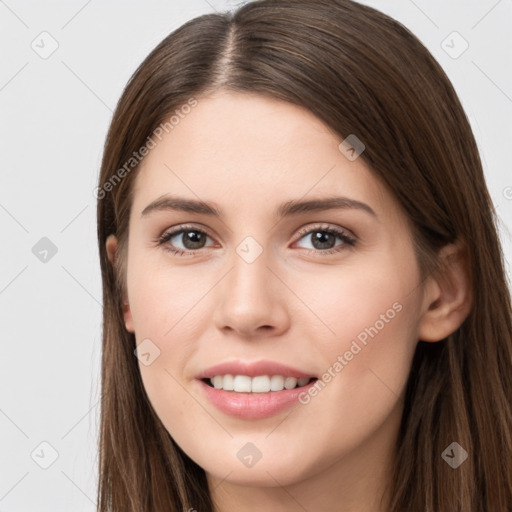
{"x":448,"y":296}
{"x":128,"y":321}
{"x":111,"y":247}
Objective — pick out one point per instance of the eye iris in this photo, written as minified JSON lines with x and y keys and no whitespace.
{"x":193,"y":239}
{"x":325,"y":240}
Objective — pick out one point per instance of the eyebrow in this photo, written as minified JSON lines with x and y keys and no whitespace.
{"x":292,"y":207}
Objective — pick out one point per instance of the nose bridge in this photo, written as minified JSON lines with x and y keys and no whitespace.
{"x":250,"y":274}
{"x":248,"y":298}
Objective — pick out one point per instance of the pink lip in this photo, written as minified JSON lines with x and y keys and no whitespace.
{"x":252,"y":406}
{"x":252,"y":370}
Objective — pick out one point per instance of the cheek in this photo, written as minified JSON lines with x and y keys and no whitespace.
{"x":367,"y":316}
{"x":374,"y":299}
{"x":366,"y":361}
{"x":167,"y":312}
{"x":161,"y":298}
{"x":372,"y":314}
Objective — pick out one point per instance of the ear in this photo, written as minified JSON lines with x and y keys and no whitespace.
{"x":448,"y":296}
{"x":111,"y":247}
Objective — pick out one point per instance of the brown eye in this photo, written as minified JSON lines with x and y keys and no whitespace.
{"x":191,"y":240}
{"x":324,"y":239}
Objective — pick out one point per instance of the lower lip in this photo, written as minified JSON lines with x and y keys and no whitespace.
{"x":253,"y":406}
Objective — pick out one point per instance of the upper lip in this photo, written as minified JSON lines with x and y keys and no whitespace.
{"x":252,"y":369}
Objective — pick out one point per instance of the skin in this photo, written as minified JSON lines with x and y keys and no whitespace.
{"x":294,"y":304}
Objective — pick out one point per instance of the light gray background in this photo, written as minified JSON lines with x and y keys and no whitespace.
{"x":54,"y":114}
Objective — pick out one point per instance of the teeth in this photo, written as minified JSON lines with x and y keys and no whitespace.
{"x":259,"y":384}
{"x":217,"y":381}
{"x":228,"y":383}
{"x":276,"y":383}
{"x":241,"y":384}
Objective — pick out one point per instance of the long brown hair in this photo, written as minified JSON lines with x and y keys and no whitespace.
{"x":361,"y":73}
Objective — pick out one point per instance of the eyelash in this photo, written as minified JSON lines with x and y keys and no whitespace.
{"x":163,"y":239}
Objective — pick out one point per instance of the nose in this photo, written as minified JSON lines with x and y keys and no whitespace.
{"x":252,"y":299}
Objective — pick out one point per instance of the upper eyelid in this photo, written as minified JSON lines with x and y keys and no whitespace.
{"x":325,"y":226}
{"x":186,"y":227}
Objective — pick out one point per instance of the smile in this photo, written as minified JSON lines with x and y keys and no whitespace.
{"x":257,"y":384}
{"x":253,"y":390}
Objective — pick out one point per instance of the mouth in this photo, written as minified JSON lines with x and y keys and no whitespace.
{"x":257,"y":384}
{"x":253,"y":390}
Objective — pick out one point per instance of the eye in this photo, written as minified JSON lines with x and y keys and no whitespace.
{"x":323,"y":239}
{"x":191,"y":239}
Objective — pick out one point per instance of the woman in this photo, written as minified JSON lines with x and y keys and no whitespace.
{"x":368,"y":370}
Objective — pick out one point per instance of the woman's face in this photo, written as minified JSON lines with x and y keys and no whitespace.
{"x":328,"y":293}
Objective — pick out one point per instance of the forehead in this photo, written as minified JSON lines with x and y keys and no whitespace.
{"x":253,"y":151}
